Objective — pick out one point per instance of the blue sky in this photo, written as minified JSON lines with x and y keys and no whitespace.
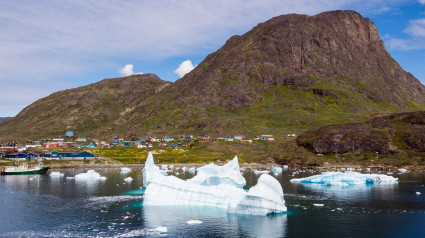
{"x":46,"y":46}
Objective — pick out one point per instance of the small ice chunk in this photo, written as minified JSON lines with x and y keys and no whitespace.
{"x":285,"y":167}
{"x":31,"y":178}
{"x":418,"y":193}
{"x":345,"y":179}
{"x":318,"y":204}
{"x":128,"y":179}
{"x":191,"y":170}
{"x":402,"y":170}
{"x":102,"y":178}
{"x":125,"y":170}
{"x":184,"y":169}
{"x":164,"y":167}
{"x":56,"y":174}
{"x":90,"y":175}
{"x":191,"y":222}
{"x":171,"y":167}
{"x":161,"y":229}
{"x":277,"y":170}
{"x":261,"y":171}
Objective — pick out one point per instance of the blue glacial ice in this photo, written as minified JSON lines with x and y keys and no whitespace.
{"x":346,"y":179}
{"x":215,"y":186}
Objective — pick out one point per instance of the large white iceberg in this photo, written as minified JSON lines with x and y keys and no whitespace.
{"x":345,"y":179}
{"x":263,"y":198}
{"x":212,"y":174}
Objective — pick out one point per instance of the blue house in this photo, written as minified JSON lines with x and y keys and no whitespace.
{"x":16,"y":156}
{"x":69,"y":134}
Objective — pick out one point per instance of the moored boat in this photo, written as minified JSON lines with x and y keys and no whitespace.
{"x":24,"y":169}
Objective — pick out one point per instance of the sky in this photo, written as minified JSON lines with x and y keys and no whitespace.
{"x":48,"y":45}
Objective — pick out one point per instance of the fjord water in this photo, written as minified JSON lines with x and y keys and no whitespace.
{"x":46,"y":206}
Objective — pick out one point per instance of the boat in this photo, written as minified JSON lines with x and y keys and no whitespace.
{"x":24,"y":168}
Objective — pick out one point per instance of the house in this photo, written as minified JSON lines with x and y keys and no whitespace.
{"x":229,"y":139}
{"x":91,"y":145}
{"x":69,"y":155}
{"x":140,"y":146}
{"x":238,"y":137}
{"x":221,"y":138}
{"x":179,"y":143}
{"x":69,"y":134}
{"x":188,"y":138}
{"x":162,"y":144}
{"x":173,"y":146}
{"x":155,"y":139}
{"x":16,"y":156}
{"x":127,"y":144}
{"x":249,"y":140}
{"x":167,"y":139}
{"x":267,"y":137}
{"x":81,"y":139}
{"x":57,"y":139}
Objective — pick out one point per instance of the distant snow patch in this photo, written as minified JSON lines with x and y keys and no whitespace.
{"x":128,"y":179}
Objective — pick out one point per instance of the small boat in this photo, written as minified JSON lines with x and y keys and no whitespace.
{"x":24,"y":168}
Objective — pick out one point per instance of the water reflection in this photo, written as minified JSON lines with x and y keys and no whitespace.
{"x":215,"y":222}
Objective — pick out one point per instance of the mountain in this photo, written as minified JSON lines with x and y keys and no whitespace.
{"x":86,"y":110}
{"x":288,"y":74}
{"x":3,"y":119}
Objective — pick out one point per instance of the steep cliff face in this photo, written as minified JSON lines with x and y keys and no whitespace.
{"x":339,"y":47}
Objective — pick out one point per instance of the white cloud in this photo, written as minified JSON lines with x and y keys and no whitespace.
{"x":184,"y":68}
{"x":127,"y":70}
{"x":422,"y":2}
{"x":416,"y":27}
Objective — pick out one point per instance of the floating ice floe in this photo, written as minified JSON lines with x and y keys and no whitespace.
{"x":263,"y":198}
{"x":418,"y":193}
{"x":56,"y":174}
{"x":191,"y":170}
{"x":161,"y":229}
{"x":191,"y":222}
{"x":345,"y":179}
{"x":125,"y":170}
{"x":402,"y":170}
{"x":318,"y":204}
{"x":90,"y":175}
{"x":128,"y":179}
{"x":277,"y":170}
{"x":261,"y":171}
{"x":212,"y":174}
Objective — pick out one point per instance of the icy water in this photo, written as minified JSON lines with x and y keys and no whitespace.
{"x":46,"y":206}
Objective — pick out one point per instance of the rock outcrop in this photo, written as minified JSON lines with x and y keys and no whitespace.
{"x":390,"y":134}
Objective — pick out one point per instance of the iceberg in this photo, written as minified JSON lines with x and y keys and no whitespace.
{"x":128,"y":179}
{"x":212,"y":174}
{"x":218,"y":191}
{"x":346,"y":179}
{"x":90,"y":175}
{"x":56,"y":174}
{"x":277,"y":170}
{"x":125,"y":170}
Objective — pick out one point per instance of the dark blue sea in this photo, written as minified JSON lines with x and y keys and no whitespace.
{"x":47,"y":206}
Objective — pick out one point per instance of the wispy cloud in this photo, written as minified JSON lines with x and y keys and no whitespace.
{"x":184,"y":68}
{"x":422,"y":2}
{"x":415,"y":40}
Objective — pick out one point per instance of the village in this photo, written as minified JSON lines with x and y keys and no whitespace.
{"x":70,"y":147}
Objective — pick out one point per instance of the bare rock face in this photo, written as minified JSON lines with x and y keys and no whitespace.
{"x":339,"y":47}
{"x":378,"y":135}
